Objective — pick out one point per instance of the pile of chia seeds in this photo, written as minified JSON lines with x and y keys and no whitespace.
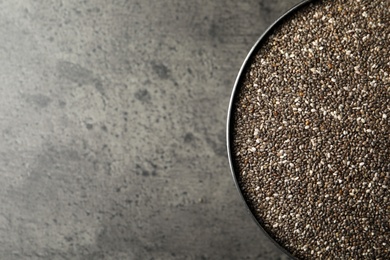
{"x":310,"y":131}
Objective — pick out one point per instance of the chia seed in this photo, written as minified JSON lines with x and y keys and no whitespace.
{"x":310,"y":131}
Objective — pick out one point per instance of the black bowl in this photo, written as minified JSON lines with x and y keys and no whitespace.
{"x":230,"y":122}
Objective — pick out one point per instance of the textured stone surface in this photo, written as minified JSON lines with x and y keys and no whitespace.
{"x":113,"y":129}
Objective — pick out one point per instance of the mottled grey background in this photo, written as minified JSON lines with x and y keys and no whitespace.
{"x":112,"y":123}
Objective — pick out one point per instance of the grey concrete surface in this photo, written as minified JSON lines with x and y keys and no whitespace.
{"x":112,"y":123}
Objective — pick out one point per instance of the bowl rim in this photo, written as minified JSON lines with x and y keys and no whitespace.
{"x":229,"y":124}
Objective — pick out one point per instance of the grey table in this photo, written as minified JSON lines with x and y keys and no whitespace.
{"x":112,"y":123}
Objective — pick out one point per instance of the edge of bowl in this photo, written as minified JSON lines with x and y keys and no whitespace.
{"x":237,"y":82}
